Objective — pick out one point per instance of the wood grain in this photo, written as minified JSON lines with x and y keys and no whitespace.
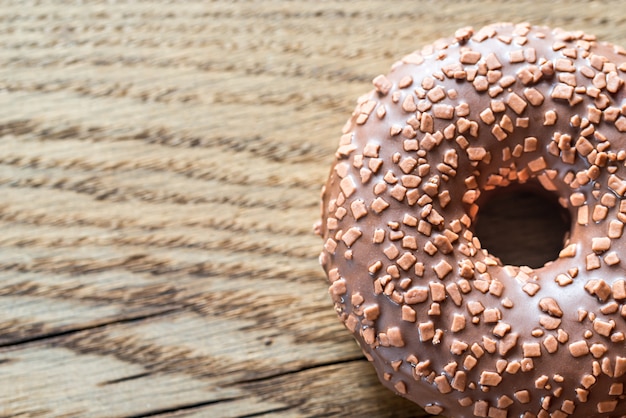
{"x":160,"y":168}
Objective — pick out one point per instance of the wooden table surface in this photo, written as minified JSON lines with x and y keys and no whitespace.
{"x":160,"y":169}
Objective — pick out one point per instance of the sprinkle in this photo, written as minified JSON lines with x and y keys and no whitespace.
{"x":614,"y":82}
{"x":433,"y":409}
{"x":492,"y":62}
{"x":443,"y":244}
{"x":443,"y":111}
{"x":430,"y":248}
{"x":358,"y":209}
{"x":551,"y":344}
{"x":391,"y":251}
{"x":490,"y":378}
{"x":442,"y":269}
{"x":531,"y":288}
{"x":410,"y":181}
{"x":406,"y":261}
{"x":379,"y":205}
{"x":562,"y":91}
{"x":408,"y":105}
{"x":501,"y":329}
{"x":533,"y":96}
{"x":603,"y":328}
{"x":382,"y":84}
{"x":487,"y":116}
{"x":516,"y":103}
{"x":499,"y":133}
{"x":351,"y":236}
{"x":618,"y":289}
{"x":426,"y":331}
{"x":470,"y":57}
{"x":437,"y":94}
{"x":405,"y":82}
{"x":475,"y":307}
{"x":523,"y":396}
{"x":459,"y":382}
{"x":416,"y":295}
{"x":458,"y":323}
{"x":375,"y":267}
{"x":616,"y":389}
{"x":507,"y":81}
{"x":442,"y":384}
{"x":599,"y":81}
{"x":491,"y":315}
{"x":537,"y":164}
{"x":462,"y":109}
{"x":497,"y":106}
{"x":609,"y":200}
{"x":371,"y":313}
{"x":583,"y":215}
{"x":516,"y":56}
{"x":563,"y":280}
{"x":338,"y":288}
{"x":620,"y":366}
{"x":564,"y":64}
{"x":454,"y":293}
{"x":579,"y":348}
{"x":551,"y":306}
{"x":620,"y":124}
{"x":400,"y":387}
{"x":506,"y":123}
{"x":606,"y":406}
{"x":347,"y":186}
{"x":531,"y":350}
{"x":550,"y":118}
{"x":599,"y":288}
{"x":481,"y":84}
{"x":569,"y":251}
{"x":617,"y":185}
{"x":408,"y":314}
{"x":612,"y":258}
{"x":409,"y":242}
{"x":610,"y":308}
{"x":600,"y":244}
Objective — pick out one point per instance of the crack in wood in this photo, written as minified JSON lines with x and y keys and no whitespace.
{"x":180,"y":408}
{"x":8,"y":341}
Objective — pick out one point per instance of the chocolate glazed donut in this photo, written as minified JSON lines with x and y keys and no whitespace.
{"x":446,"y":323}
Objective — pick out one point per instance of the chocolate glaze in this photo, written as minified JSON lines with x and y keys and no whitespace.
{"x":445,"y":323}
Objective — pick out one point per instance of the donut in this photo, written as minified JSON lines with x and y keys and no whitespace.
{"x":444,"y":321}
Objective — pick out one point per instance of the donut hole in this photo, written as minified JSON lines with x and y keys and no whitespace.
{"x":522,"y":225}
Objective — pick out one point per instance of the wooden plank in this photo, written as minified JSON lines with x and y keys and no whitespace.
{"x":160,"y":169}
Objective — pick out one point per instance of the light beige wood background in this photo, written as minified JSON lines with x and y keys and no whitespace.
{"x":160,"y":167}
